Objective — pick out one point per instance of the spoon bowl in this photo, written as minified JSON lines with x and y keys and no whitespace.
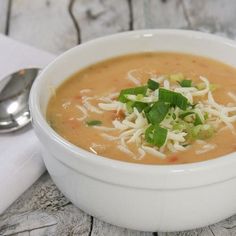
{"x":14,"y":96}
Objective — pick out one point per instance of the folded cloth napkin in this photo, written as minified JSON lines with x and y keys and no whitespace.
{"x":21,"y":163}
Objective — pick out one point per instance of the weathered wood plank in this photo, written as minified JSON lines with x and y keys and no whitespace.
{"x":158,"y":14}
{"x":198,"y":232}
{"x":102,"y":228}
{"x":43,"y":210}
{"x":214,"y":16}
{"x":45,"y":24}
{"x":226,"y":227}
{"x":43,"y":195}
{"x":26,"y":221}
{"x":3,"y":15}
{"x":101,"y":17}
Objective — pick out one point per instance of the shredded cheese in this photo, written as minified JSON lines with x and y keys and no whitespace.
{"x":206,"y":148}
{"x":82,"y":91}
{"x":132,"y":78}
{"x":84,"y":111}
{"x":131,"y":129}
{"x":153,"y":151}
{"x":232,"y":95}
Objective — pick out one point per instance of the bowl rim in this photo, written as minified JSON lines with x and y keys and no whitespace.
{"x":89,"y":157}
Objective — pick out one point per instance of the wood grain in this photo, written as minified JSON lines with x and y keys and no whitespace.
{"x":43,"y":210}
{"x":101,"y":17}
{"x":45,"y":24}
{"x":214,"y":16}
{"x":158,"y":14}
{"x":102,"y":228}
{"x":3,"y":15}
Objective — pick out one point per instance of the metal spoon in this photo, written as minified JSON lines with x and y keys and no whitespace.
{"x":14,"y":95}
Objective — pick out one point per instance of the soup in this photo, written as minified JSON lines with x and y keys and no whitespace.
{"x":149,"y":108}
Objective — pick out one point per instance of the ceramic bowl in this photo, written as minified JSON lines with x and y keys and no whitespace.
{"x":136,"y":196}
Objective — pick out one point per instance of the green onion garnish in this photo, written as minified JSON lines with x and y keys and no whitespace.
{"x":158,"y":112}
{"x":185,"y":83}
{"x":187,"y":113}
{"x":163,"y":110}
{"x":200,"y":86}
{"x":213,"y":87}
{"x":176,"y":77}
{"x":131,"y":91}
{"x":206,"y":116}
{"x":153,"y":85}
{"x":160,"y":135}
{"x":129,"y":106}
{"x":204,"y":131}
{"x":176,"y":99}
{"x":139,"y":97}
{"x":93,"y":122}
{"x":149,"y":134}
{"x":198,"y":120}
{"x":156,"y":135}
{"x":139,"y":105}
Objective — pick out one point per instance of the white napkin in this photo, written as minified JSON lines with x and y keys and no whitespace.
{"x":20,"y":161}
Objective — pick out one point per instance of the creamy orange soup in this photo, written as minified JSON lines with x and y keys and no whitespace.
{"x":74,"y":112}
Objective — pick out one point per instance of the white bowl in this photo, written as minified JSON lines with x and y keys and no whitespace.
{"x":136,"y":196}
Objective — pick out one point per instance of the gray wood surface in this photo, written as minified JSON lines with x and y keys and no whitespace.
{"x":3,"y":15}
{"x":98,"y":18}
{"x":55,"y":26}
{"x":44,"y":24}
{"x":214,"y":16}
{"x":158,"y":14}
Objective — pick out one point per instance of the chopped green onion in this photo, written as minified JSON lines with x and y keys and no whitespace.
{"x":198,"y":120}
{"x":187,"y":113}
{"x":131,"y":91}
{"x":206,"y":116}
{"x":202,"y":131}
{"x":129,"y":106}
{"x":174,"y":98}
{"x":176,"y":77}
{"x":200,"y":86}
{"x":179,"y":126}
{"x":93,"y":122}
{"x":139,"y":105}
{"x":160,"y":135}
{"x":146,"y":111}
{"x":185,"y":83}
{"x":174,"y":116}
{"x":158,"y":112}
{"x":156,"y":135}
{"x":149,"y":134}
{"x":153,"y":85}
{"x":188,"y":128}
{"x":139,"y":97}
{"x":213,"y":87}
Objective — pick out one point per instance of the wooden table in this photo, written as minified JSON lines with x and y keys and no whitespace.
{"x":57,"y":25}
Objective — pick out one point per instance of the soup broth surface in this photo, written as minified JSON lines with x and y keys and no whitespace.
{"x":65,"y":116}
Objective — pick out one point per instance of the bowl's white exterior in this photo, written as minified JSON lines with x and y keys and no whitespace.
{"x":142,"y":197}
